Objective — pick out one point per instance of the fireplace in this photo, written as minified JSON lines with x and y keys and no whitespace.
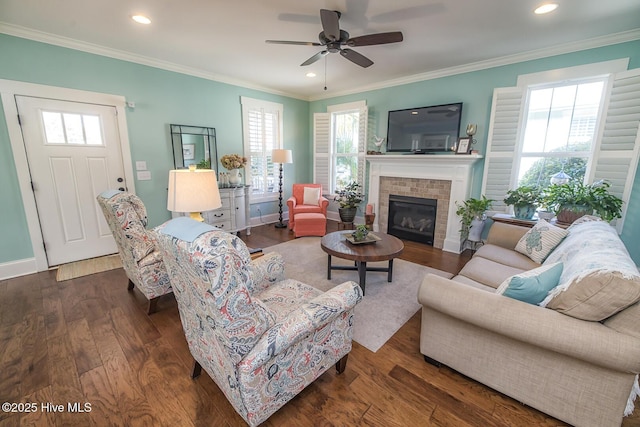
{"x":412,"y":218}
{"x":446,"y":178}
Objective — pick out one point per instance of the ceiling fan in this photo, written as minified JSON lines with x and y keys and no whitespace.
{"x":333,"y":39}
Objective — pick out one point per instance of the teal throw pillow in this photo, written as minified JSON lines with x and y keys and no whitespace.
{"x":532,"y":286}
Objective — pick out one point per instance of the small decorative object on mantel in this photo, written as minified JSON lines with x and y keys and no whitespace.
{"x":464,"y":146}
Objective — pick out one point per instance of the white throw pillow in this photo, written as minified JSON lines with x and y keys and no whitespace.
{"x":538,"y":242}
{"x":311,"y":196}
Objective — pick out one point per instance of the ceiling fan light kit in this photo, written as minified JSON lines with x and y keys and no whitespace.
{"x":334,"y":40}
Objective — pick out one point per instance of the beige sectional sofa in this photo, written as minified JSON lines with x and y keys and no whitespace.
{"x":577,"y":359}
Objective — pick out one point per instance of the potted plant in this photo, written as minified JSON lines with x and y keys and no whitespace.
{"x":360,"y":233}
{"x":349,"y":198}
{"x":524,"y":200}
{"x":472,"y":217}
{"x":574,"y":199}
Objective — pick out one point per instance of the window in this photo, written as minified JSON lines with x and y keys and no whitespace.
{"x":344,"y":142}
{"x":559,"y":131}
{"x":339,"y":141}
{"x":584,"y":119}
{"x":262,"y":132}
{"x":72,"y":128}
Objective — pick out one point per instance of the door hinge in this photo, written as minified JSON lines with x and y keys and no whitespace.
{"x":19,"y":120}
{"x":33,"y":187}
{"x":44,"y":245}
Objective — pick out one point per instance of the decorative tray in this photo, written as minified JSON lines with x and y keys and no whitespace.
{"x":371,"y":238}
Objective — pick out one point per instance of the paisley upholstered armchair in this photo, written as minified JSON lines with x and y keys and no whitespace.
{"x":262,"y":338}
{"x":127,"y":218}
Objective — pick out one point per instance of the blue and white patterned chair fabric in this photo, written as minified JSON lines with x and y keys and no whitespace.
{"x":127,"y":218}
{"x":262,"y":338}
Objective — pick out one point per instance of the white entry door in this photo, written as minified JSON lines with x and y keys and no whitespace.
{"x":74,"y":154}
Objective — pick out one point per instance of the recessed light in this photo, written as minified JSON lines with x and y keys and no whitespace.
{"x":545,"y":8}
{"x":310,"y":74}
{"x":141,"y":19}
{"x":414,"y":113}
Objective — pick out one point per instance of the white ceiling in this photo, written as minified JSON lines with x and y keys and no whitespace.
{"x":224,"y":40}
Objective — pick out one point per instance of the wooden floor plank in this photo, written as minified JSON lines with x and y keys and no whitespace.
{"x":124,"y":382}
{"x":35,"y":355}
{"x":65,"y":384}
{"x":39,"y":417}
{"x":83,"y":346}
{"x":105,"y":409}
{"x":90,"y":340}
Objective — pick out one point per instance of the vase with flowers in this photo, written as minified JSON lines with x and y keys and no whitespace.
{"x":233,"y":163}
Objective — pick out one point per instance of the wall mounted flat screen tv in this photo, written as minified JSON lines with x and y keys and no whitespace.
{"x":424,"y":130}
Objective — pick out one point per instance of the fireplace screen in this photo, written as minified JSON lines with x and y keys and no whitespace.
{"x":412,"y":218}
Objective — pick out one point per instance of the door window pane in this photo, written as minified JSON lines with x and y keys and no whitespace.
{"x":70,"y":128}
{"x":53,"y":129}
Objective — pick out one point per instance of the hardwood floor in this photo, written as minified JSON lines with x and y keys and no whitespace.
{"x":89,"y":341}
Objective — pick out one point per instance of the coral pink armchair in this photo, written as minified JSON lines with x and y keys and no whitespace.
{"x":296,"y":205}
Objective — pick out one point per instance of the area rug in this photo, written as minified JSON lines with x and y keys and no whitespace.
{"x":385,"y":306}
{"x":86,"y":267}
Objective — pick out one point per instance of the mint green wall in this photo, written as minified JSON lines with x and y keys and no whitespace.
{"x":475,"y":90}
{"x":161,"y":98}
{"x":164,"y":97}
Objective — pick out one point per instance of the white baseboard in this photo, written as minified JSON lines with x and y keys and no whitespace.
{"x":273,"y":218}
{"x":268,"y":219}
{"x":17,"y":268}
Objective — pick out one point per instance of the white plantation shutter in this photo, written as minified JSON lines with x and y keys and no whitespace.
{"x":321,"y":149}
{"x":502,"y":143}
{"x":324,"y":144}
{"x":262,"y":131}
{"x":362,"y":144}
{"x":616,"y":151}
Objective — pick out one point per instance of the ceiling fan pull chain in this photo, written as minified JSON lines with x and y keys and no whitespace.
{"x":325,"y":73}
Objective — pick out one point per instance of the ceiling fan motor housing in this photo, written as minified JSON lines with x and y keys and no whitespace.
{"x":333,"y":46}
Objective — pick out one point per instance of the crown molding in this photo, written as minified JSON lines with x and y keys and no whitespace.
{"x":52,"y":39}
{"x":562,"y":49}
{"x":40,"y":36}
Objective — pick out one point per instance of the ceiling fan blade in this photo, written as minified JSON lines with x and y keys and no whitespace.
{"x":314,"y":58}
{"x":373,"y":39}
{"x":356,"y":58}
{"x":330,"y":24}
{"x":292,"y":42}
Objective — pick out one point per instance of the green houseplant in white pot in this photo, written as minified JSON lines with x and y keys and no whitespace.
{"x":472,"y":217}
{"x":349,"y":198}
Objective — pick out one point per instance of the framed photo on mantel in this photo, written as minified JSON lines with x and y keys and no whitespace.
{"x":464,"y":146}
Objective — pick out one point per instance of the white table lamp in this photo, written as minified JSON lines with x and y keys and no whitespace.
{"x":193,"y":191}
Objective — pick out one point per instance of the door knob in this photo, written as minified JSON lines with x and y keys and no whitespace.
{"x":121,"y":188}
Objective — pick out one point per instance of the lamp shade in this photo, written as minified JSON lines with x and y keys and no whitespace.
{"x":193,"y":191}
{"x":281,"y":156}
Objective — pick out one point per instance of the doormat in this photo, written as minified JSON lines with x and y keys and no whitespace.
{"x":86,"y":267}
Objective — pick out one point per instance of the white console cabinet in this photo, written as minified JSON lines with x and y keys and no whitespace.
{"x":234,"y":214}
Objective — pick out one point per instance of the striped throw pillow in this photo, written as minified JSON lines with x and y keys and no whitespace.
{"x":538,"y":242}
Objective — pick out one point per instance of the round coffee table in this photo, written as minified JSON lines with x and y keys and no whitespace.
{"x":386,"y":248}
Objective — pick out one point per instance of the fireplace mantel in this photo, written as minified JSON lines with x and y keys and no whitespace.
{"x":447,"y":167}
